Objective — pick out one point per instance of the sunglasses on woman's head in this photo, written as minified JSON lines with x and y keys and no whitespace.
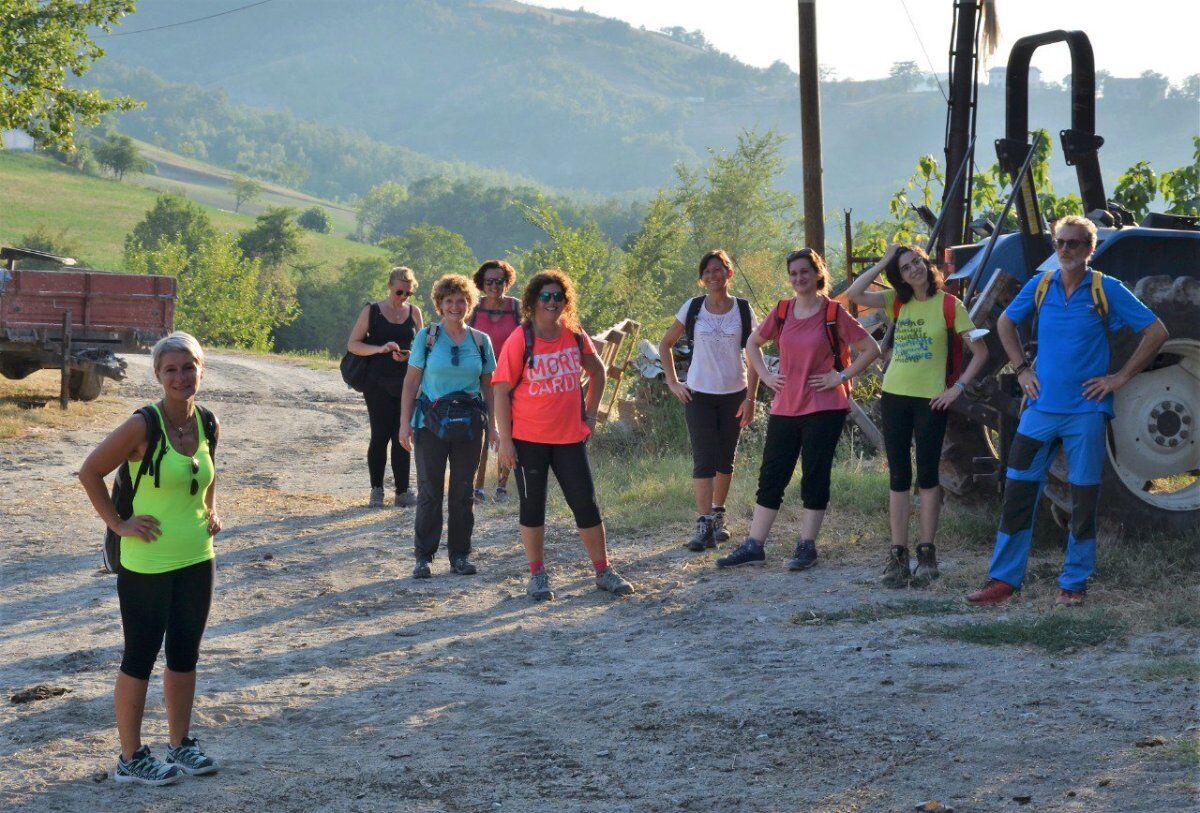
{"x":546,"y":296}
{"x":800,"y":253}
{"x":493,"y":280}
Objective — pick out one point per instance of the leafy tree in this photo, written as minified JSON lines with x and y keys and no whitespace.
{"x":60,"y":244}
{"x":431,"y":251}
{"x":1136,"y":189}
{"x":1181,"y":187}
{"x":244,"y":190}
{"x":40,"y":42}
{"x":654,"y":257}
{"x":315,"y":218}
{"x":904,"y":76}
{"x":376,"y":204}
{"x":120,"y":155}
{"x":171,"y":219}
{"x":329,"y":302}
{"x":223,"y":298}
{"x":274,"y":238}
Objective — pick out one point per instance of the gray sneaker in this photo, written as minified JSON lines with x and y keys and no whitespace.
{"x":539,"y":587}
{"x":720,"y":532}
{"x":190,"y":758}
{"x":501,"y":495}
{"x":406,"y":498}
{"x":613,"y":582}
{"x":146,"y":769}
{"x":703,"y":536}
{"x":376,"y":500}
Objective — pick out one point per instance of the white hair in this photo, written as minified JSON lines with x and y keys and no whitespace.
{"x":177,"y":342}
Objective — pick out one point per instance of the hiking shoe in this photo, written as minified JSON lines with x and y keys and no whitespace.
{"x":146,"y":769}
{"x":994,"y":592}
{"x":720,"y":532}
{"x":462,"y":566}
{"x":703,"y":537}
{"x":190,"y":758}
{"x":480,"y":496}
{"x":501,"y":495}
{"x":927,"y":567}
{"x":406,"y":498}
{"x":804,"y":556}
{"x":1070,"y":598}
{"x":538,"y":588}
{"x":750,"y":553}
{"x":421,"y":568}
{"x":896,"y":573}
{"x":613,"y":582}
{"x":376,"y":499}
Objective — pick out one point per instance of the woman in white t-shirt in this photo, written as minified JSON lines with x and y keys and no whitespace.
{"x":718,"y":392}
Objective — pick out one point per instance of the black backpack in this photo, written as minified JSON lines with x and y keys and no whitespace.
{"x":126,"y":484}
{"x":693,"y":313}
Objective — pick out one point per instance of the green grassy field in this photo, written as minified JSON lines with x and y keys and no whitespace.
{"x":97,"y":213}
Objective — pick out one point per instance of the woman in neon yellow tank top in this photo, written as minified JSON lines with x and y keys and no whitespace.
{"x":166,"y":576}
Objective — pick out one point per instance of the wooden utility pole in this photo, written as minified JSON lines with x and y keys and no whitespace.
{"x":810,"y":128}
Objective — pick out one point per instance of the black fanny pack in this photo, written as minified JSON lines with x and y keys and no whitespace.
{"x":454,"y":417}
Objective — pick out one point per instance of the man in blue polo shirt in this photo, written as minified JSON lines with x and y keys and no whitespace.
{"x":1069,"y":401}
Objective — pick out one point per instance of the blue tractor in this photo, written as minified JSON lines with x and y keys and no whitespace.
{"x":1152,"y":476}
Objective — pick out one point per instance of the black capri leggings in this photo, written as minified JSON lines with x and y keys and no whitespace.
{"x":714,"y":428}
{"x":573,"y":472}
{"x":383,"y":410}
{"x":174,"y":603}
{"x":812,"y":439}
{"x":906,"y":418}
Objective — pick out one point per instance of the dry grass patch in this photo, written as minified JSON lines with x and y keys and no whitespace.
{"x":30,"y":406}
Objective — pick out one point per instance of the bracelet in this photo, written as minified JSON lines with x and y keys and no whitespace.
{"x":1022,"y":367}
{"x":961,"y":385}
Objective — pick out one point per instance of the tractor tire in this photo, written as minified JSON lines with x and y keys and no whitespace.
{"x":16,"y":365}
{"x":85,"y":386}
{"x":1152,"y":472}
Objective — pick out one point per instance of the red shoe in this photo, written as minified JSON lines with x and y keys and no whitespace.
{"x":1070,"y":598}
{"x":994,"y":592}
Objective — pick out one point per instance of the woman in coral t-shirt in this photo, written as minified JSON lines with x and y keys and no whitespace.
{"x":810,"y":404}
{"x":544,"y":422}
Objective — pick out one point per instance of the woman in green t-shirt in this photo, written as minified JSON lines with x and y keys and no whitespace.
{"x":921,"y":382}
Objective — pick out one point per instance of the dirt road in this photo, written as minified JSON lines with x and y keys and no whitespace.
{"x":331,"y":681}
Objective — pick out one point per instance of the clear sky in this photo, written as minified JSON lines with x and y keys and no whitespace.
{"x":861,"y":39}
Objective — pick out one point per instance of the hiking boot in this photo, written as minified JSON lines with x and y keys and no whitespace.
{"x":146,"y":769}
{"x":994,"y":592}
{"x":501,"y":495}
{"x":538,"y":588}
{"x":421,"y":568}
{"x":480,"y":496}
{"x":703,"y":537}
{"x":462,"y":566}
{"x":376,"y":499}
{"x":805,"y":555}
{"x":927,"y":568}
{"x":406,"y":498}
{"x":896,"y":573}
{"x":1070,"y":598}
{"x":613,"y":582}
{"x":190,"y":758}
{"x":749,"y":553}
{"x":720,"y":532}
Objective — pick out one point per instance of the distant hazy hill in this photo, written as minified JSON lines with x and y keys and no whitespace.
{"x":579,"y":101}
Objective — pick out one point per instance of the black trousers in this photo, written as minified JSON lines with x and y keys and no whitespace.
{"x":383,"y":410}
{"x":569,"y":462}
{"x":174,"y":604}
{"x":812,"y":439}
{"x":713,"y":427}
{"x":906,"y":419}
{"x":433,"y":454}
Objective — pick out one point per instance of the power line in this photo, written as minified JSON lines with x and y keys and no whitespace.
{"x":184,"y":22}
{"x":932,"y":71}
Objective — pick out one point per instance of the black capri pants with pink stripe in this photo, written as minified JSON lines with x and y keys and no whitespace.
{"x":569,"y":462}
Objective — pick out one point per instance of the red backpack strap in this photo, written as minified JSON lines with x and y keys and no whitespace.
{"x":841,"y":355}
{"x":781,"y":311}
{"x":896,"y":306}
{"x":954,"y":343}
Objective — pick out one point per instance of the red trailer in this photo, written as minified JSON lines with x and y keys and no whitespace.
{"x":77,"y":321}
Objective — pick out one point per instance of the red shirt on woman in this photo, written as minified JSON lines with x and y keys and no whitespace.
{"x":499,"y":330}
{"x":546,"y":394}
{"x":804,"y":351}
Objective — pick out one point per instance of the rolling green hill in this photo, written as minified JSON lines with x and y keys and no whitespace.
{"x":97,"y":213}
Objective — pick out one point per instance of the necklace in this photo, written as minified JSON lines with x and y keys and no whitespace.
{"x":179,"y":430}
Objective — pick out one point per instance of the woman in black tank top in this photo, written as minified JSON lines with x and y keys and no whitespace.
{"x":384,"y":332}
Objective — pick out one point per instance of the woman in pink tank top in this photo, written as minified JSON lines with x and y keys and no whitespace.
{"x":497,"y":315}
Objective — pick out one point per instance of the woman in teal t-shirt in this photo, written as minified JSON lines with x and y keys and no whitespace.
{"x":448,"y":358}
{"x":918,"y":389}
{"x":165,"y":580}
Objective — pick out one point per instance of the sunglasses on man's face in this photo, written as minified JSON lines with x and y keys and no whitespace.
{"x":1070,"y":244}
{"x":546,"y":296}
{"x":493,"y":281}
